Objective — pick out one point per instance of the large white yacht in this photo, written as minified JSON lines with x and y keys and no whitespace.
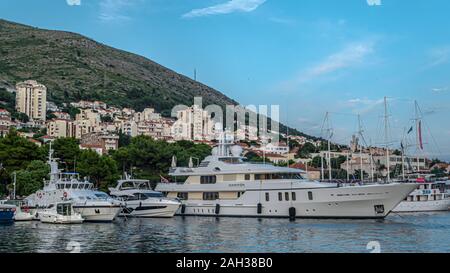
{"x":431,"y":195}
{"x":94,"y":206}
{"x":139,"y":200}
{"x":225,"y":185}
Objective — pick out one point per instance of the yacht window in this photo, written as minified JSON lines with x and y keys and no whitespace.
{"x":310,"y":195}
{"x":183,"y":195}
{"x":74,"y":186}
{"x":67,"y":186}
{"x":210,"y":195}
{"x":280,"y":196}
{"x":101,"y":195}
{"x":293,"y":196}
{"x":154,"y":194}
{"x":247,"y":177}
{"x":208,"y":179}
{"x":286,"y":196}
{"x":267,"y":197}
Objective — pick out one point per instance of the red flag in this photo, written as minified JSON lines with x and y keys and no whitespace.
{"x":420,"y":135}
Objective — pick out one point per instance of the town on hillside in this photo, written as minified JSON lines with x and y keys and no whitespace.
{"x":98,"y":126}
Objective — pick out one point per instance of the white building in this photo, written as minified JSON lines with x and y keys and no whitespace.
{"x":194,"y":123}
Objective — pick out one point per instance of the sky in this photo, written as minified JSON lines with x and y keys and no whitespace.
{"x":308,"y":56}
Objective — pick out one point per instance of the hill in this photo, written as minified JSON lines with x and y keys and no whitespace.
{"x":74,"y":67}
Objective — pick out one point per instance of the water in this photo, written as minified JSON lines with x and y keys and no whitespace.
{"x":423,"y":232}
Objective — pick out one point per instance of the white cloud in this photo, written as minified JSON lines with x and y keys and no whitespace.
{"x":352,"y":55}
{"x":229,"y":7}
{"x":73,"y":2}
{"x":113,"y":10}
{"x":364,"y":105}
{"x":374,"y":2}
{"x":440,"y":90}
{"x":439,"y":56}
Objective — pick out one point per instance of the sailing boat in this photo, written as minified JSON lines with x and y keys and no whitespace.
{"x":431,"y":194}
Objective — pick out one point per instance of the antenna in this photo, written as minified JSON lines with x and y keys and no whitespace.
{"x":195,"y":74}
{"x":329,"y":130}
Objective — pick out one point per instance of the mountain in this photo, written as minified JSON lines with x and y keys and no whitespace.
{"x":74,"y":67}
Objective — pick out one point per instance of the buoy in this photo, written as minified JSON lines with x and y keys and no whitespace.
{"x":292,"y":213}
{"x":259,"y":208}
{"x":183,"y":208}
{"x":217,"y":208}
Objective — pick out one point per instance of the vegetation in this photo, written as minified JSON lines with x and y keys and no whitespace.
{"x":145,"y":157}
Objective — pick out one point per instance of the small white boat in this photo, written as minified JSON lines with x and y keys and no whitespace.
{"x":60,"y":213}
{"x":139,"y":200}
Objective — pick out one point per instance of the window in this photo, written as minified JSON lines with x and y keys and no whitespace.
{"x":310,"y":195}
{"x":247,"y":177}
{"x":208,"y":179}
{"x":280,"y":196}
{"x":183,"y":195}
{"x":294,"y":197}
{"x":286,"y":196}
{"x":210,"y":195}
{"x":267,"y":197}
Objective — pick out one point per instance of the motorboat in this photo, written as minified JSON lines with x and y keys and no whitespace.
{"x":60,"y":213}
{"x":139,"y":200}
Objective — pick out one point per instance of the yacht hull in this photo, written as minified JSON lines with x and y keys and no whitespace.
{"x":423,"y":206}
{"x":150,"y":210}
{"x":373,"y":201}
{"x":59,"y":219}
{"x":97,"y":213}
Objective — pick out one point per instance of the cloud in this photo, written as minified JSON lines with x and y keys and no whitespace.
{"x":229,"y":7}
{"x":352,"y":55}
{"x":363,"y":105}
{"x":440,"y":90}
{"x":73,"y":2}
{"x":374,"y":2}
{"x":439,"y":56}
{"x":113,"y":10}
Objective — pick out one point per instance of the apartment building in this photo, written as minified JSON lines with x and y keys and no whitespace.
{"x":31,"y":99}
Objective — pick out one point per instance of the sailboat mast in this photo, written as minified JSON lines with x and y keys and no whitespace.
{"x":386,"y":136}
{"x":360,"y":147}
{"x":416,"y":114}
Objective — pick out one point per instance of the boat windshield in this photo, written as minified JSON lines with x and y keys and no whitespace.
{"x":153,"y":194}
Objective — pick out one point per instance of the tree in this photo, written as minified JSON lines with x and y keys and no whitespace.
{"x":101,"y":170}
{"x":31,"y":179}
{"x":306,"y":150}
{"x":22,"y":117}
{"x":67,"y":151}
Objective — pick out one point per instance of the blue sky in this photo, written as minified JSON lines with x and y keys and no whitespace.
{"x":308,"y":56}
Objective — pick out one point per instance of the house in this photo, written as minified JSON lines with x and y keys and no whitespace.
{"x":313,"y":173}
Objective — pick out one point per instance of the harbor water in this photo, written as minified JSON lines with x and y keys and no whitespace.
{"x":417,"y":232}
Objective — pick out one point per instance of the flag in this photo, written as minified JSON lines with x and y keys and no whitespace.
{"x":410,"y":130}
{"x":163,"y":179}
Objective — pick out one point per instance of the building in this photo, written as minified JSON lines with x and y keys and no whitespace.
{"x":61,"y":128}
{"x":313,"y":173}
{"x":102,"y":143}
{"x":280,"y":149}
{"x":31,"y":99}
{"x":193,"y":123}
{"x":5,"y":122}
{"x":62,"y":115}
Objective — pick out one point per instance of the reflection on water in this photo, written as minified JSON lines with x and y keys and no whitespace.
{"x":426,"y":232}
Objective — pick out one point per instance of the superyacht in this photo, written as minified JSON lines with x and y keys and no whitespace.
{"x":94,"y":206}
{"x":224,"y":184}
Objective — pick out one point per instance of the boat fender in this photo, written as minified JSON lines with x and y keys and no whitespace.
{"x":183,"y":208}
{"x":217,"y":208}
{"x":259,"y":208}
{"x":292,"y":213}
